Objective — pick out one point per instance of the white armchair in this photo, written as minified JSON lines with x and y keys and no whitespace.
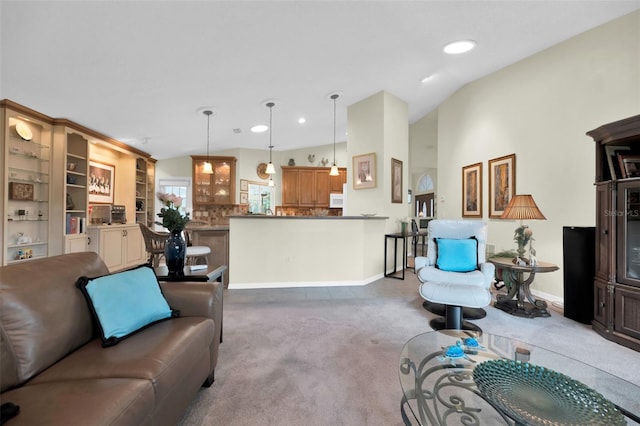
{"x":458,"y":276}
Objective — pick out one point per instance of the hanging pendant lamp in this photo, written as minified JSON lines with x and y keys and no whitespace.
{"x":334,"y":168}
{"x":206,"y":167}
{"x":270,"y":169}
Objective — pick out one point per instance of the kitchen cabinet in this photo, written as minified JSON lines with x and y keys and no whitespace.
{"x":218,"y":241}
{"x":218,"y":188}
{"x":119,"y":246}
{"x":309,"y":186}
{"x":141,"y":190}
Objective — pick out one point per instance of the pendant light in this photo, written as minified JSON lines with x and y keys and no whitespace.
{"x":334,"y":169}
{"x":270,"y":169}
{"x":206,"y":167}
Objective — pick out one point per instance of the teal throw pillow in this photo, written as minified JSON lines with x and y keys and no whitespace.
{"x":457,"y":255}
{"x":125,"y":302}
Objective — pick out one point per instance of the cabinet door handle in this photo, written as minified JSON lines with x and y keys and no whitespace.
{"x":88,"y":241}
{"x":605,"y":231}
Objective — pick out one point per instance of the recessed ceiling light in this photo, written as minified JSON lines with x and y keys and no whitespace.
{"x":460,"y":46}
{"x":260,"y":128}
{"x":302,"y":120}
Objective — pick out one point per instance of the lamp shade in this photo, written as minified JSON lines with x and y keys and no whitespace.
{"x":522,"y":207}
{"x":334,"y":171}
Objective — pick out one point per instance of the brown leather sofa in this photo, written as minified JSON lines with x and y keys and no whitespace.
{"x":53,"y":366}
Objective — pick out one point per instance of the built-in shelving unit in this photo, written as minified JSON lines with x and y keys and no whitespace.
{"x":26,"y":159}
{"x":45,"y":196}
{"x":141,"y":190}
{"x":76,"y":166}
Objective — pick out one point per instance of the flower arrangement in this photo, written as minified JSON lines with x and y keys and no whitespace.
{"x":522,"y":236}
{"x":171,"y":217}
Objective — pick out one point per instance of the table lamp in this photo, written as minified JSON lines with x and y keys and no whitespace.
{"x":522,"y":207}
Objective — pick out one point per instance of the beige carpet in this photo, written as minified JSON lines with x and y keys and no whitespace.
{"x":329,"y":356}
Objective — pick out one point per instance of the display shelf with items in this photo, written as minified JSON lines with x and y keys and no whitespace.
{"x":617,"y":271}
{"x":217,"y":188}
{"x":26,"y":159}
{"x":151,"y":192}
{"x":76,"y":171}
{"x":141,"y":190}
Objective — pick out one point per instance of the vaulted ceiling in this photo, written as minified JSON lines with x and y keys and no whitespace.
{"x":140,"y":71}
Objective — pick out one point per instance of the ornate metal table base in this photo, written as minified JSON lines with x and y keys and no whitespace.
{"x":519,"y":301}
{"x":446,"y":394}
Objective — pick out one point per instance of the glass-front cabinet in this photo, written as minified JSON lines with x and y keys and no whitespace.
{"x":617,"y":273}
{"x":26,"y":158}
{"x":628,"y":227}
{"x":217,"y":188}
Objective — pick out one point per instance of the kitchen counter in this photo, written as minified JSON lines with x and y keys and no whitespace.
{"x":216,"y":237}
{"x":305,"y":251}
{"x":258,"y":216}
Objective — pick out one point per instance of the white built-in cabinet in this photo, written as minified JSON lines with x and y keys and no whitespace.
{"x":71,"y":154}
{"x":119,"y":246}
{"x":26,"y":193}
{"x":44,"y":194}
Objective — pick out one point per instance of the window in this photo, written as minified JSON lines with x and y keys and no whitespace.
{"x":179,"y":187}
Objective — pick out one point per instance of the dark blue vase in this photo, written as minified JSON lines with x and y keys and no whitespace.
{"x":174,"y":253}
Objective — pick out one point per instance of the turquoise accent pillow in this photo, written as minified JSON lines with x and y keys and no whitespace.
{"x":457,"y":255}
{"x":125,"y":302}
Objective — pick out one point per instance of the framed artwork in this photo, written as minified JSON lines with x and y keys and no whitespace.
{"x":21,"y":191}
{"x":472,"y":190}
{"x":364,"y":171}
{"x":502,"y":184}
{"x":629,"y":165}
{"x":244,"y":185}
{"x":244,"y":197}
{"x":396,"y":181}
{"x":101,"y":182}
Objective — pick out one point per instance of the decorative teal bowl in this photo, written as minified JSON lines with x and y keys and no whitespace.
{"x":535,"y":395}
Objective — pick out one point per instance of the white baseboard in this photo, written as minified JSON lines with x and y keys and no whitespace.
{"x":298,"y":284}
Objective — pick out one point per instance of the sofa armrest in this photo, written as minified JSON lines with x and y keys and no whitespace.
{"x":489,"y":271}
{"x":204,"y":299}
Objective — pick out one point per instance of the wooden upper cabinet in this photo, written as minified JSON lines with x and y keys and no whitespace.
{"x":336,"y":182}
{"x":218,"y":188}
{"x":309,"y":186}
{"x":289,"y":187}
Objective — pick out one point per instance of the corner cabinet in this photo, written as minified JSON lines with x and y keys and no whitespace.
{"x":309,"y":186}
{"x":26,"y":159}
{"x":141,"y":190}
{"x":218,"y":188}
{"x":617,"y":271}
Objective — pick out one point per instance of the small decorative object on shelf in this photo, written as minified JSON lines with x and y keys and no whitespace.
{"x":311,"y":158}
{"x":174,"y":221}
{"x":292,"y":162}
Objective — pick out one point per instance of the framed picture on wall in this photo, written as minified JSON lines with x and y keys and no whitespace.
{"x":364,"y":171}
{"x":396,"y":181}
{"x":101,"y":182}
{"x":472,"y":190}
{"x":502,"y":184}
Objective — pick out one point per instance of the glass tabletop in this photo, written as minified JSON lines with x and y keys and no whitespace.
{"x":452,"y":377}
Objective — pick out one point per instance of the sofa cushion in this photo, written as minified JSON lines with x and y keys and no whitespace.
{"x":125,"y":302}
{"x":109,"y":401}
{"x":43,"y":316}
{"x":162,"y":353}
{"x":456,"y":255}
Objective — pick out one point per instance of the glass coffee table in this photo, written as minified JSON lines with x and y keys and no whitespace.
{"x":453,"y":377}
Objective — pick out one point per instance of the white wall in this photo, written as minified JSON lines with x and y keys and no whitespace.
{"x":540,"y":109}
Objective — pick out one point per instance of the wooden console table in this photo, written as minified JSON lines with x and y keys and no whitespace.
{"x":519,"y":300}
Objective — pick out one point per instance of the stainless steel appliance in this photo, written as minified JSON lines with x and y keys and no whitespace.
{"x":118,"y":214}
